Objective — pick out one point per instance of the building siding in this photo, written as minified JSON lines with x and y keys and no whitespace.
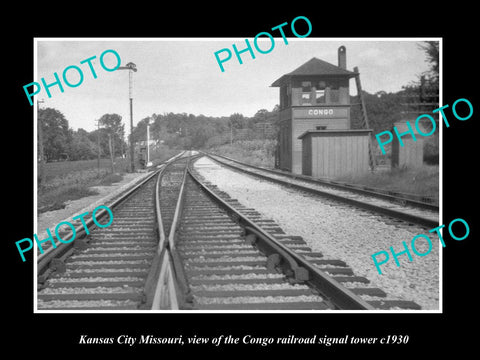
{"x":333,"y":155}
{"x":411,"y":153}
{"x":299,"y":126}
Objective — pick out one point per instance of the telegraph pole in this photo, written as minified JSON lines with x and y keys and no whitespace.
{"x":111,"y":152}
{"x":98,"y":145}
{"x":148,"y":163}
{"x":132,"y":152}
{"x":40,"y":145}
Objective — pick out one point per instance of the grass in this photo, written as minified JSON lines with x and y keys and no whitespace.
{"x":66,"y":174}
{"x":109,"y":179}
{"x":56,"y":198}
{"x":63,"y":169}
{"x":253,"y":152}
{"x":71,"y":180}
{"x":420,"y":181}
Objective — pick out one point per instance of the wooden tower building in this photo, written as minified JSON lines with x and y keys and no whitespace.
{"x":315,"y":104}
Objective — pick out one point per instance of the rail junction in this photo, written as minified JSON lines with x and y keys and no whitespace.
{"x":180,"y":243}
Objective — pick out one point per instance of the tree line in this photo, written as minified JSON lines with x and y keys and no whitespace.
{"x":188,"y":131}
{"x":57,"y":141}
{"x":199,"y":131}
{"x":184,"y":131}
{"x":176,"y":130}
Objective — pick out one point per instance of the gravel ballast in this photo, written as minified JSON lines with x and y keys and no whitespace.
{"x":341,"y":232}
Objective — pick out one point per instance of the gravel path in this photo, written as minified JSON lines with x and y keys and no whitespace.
{"x":340,"y":232}
{"x":424,"y":213}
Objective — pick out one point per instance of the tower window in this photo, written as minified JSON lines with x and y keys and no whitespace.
{"x":306,"y":86}
{"x":320,"y":93}
{"x":306,"y":93}
{"x":320,"y":96}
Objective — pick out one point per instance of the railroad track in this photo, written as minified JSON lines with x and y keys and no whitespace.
{"x":192,"y":247}
{"x":106,"y":270}
{"x":228,"y":257}
{"x":395,"y":207}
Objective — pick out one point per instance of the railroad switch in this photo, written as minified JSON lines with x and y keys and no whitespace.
{"x":273,"y":261}
{"x":58,"y":265}
{"x":301,"y":274}
{"x":251,"y":239}
{"x":80,"y":244}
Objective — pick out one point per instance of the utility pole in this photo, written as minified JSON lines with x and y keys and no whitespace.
{"x":111,"y":151}
{"x":365,"y":124}
{"x":41,"y":177}
{"x":148,"y":163}
{"x":98,"y":144}
{"x":131,"y":67}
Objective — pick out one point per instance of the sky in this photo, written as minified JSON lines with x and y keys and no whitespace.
{"x":182,"y":75}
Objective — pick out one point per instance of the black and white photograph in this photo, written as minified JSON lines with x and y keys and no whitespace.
{"x":262,"y":184}
{"x":273,"y":196}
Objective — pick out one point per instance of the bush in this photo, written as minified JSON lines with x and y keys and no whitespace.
{"x":70,"y":180}
{"x":254,"y":152}
{"x":109,"y":179}
{"x":419,"y":181}
{"x":55,"y":199}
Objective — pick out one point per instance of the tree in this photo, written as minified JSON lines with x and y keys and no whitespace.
{"x":383,"y":110}
{"x":140,"y":131}
{"x":81,"y":147}
{"x":200,"y":131}
{"x":238,"y":121}
{"x":431,"y":49}
{"x":56,"y":133}
{"x":112,"y":123}
{"x":96,"y":136}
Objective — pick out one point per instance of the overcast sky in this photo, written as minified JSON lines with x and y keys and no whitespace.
{"x":182,"y":75}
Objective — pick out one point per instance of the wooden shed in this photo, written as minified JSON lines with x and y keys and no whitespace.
{"x":411,"y":153}
{"x":332,"y":153}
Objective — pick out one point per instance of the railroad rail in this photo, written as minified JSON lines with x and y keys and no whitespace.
{"x":420,"y":201}
{"x":107,"y":269}
{"x":223,"y":256}
{"x":192,"y":247}
{"x":405,"y":210}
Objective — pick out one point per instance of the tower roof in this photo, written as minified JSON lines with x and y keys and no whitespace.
{"x":315,"y":66}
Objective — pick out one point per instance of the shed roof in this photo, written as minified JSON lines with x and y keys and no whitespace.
{"x":315,"y":66}
{"x":344,"y":132}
